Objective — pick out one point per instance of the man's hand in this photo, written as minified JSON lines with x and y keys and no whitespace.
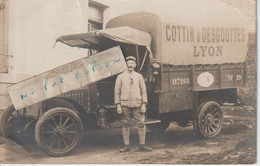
{"x":143,"y":108}
{"x":119,"y":109}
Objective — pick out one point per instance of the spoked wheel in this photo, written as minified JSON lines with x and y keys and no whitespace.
{"x":158,"y":127}
{"x":58,"y":131}
{"x":209,"y":122}
{"x":17,"y":126}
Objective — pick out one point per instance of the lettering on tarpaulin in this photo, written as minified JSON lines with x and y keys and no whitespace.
{"x":207,"y":51}
{"x":181,"y":33}
{"x":207,"y":35}
{"x":77,"y":76}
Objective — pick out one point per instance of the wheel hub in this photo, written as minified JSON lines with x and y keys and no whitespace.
{"x":209,"y":119}
{"x":59,"y":131}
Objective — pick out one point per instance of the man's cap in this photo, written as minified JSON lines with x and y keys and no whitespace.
{"x":130,"y":58}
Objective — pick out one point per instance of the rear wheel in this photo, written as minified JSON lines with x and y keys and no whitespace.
{"x":158,"y":127}
{"x":209,"y":122}
{"x":59,"y":131}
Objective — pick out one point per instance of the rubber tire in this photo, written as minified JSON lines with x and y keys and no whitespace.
{"x":3,"y":121}
{"x":158,"y":127}
{"x":48,"y":114}
{"x":197,"y":125}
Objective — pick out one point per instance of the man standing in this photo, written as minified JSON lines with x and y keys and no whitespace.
{"x":131,"y":99}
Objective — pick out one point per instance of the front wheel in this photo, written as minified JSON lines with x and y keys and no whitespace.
{"x":59,"y":131}
{"x":209,"y":122}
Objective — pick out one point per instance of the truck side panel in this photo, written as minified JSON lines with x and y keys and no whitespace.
{"x":180,"y":82}
{"x":176,"y":91}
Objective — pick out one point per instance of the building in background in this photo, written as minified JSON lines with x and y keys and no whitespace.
{"x":28,"y":29}
{"x":28,"y":32}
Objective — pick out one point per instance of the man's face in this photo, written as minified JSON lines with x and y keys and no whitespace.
{"x":131,"y":65}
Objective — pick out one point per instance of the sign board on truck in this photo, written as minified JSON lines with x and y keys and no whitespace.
{"x":67,"y":77}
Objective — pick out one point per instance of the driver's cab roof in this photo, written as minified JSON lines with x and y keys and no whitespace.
{"x":107,"y":38}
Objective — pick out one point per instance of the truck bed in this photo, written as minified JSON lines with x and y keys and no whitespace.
{"x":179,"y":83}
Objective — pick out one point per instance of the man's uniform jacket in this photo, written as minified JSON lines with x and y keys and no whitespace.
{"x":130,"y":89}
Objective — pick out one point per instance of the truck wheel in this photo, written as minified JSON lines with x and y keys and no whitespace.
{"x":59,"y":131}
{"x":209,"y":122}
{"x":158,"y":127}
{"x":16,"y":126}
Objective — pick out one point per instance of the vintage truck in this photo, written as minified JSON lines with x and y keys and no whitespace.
{"x":191,"y":67}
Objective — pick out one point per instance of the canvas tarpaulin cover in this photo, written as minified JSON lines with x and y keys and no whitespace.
{"x":192,"y":32}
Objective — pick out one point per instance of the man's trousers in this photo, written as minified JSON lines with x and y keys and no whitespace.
{"x":139,"y":121}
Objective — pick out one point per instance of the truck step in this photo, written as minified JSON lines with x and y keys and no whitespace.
{"x":151,"y":121}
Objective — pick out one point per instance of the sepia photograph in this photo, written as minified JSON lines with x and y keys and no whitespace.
{"x":128,"y":82}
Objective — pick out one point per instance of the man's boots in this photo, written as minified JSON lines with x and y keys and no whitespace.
{"x":126,"y":134}
{"x":144,"y":148}
{"x":125,"y":149}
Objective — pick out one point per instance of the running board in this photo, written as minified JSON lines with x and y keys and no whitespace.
{"x":151,"y":121}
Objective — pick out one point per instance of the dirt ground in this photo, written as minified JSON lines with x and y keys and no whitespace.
{"x":235,"y":145}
